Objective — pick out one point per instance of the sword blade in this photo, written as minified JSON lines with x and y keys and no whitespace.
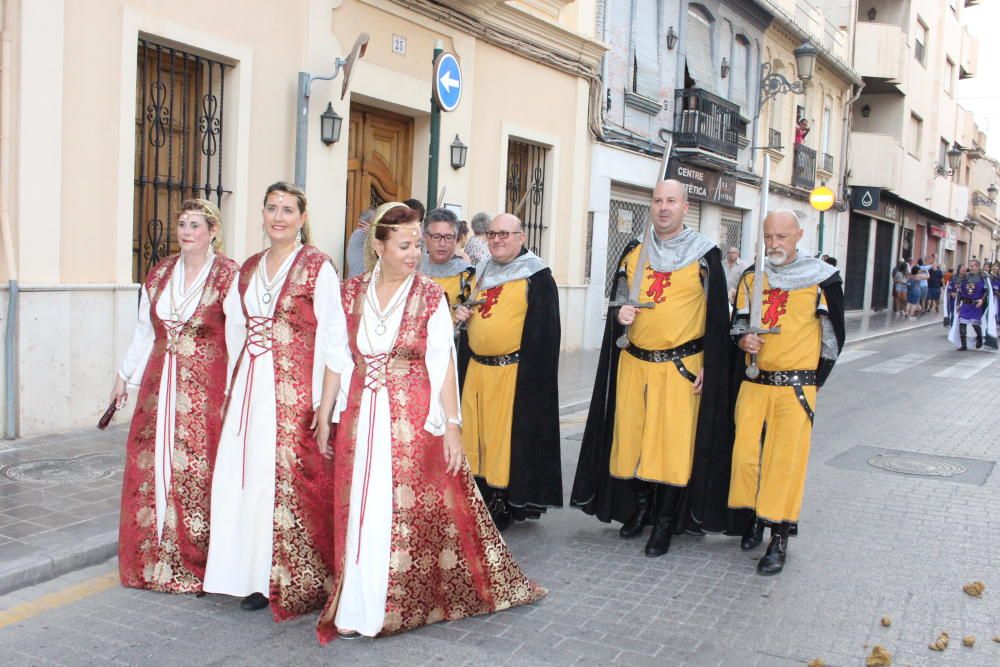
{"x":757,"y":295}
{"x":640,"y":268}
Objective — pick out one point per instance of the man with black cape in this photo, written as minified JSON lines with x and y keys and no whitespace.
{"x":656,"y":447}
{"x":509,"y":354}
{"x":802,"y":303}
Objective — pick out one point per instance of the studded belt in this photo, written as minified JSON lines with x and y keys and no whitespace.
{"x":674,"y":355}
{"x":500,"y":360}
{"x":794,"y":379}
{"x":786,"y":378}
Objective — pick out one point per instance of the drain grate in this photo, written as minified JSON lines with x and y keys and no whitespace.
{"x":52,"y":472}
{"x":917,"y":464}
{"x":914,"y":464}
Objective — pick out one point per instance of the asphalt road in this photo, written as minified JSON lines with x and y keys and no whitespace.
{"x":873,"y":543}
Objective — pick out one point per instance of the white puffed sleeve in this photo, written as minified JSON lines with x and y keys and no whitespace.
{"x":141,"y":346}
{"x":332,"y":350}
{"x":440,"y":351}
{"x":236,"y":328}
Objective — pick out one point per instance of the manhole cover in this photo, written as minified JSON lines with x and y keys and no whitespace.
{"x":915,"y":464}
{"x":50,"y":472}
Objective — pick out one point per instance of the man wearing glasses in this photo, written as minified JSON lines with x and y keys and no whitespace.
{"x":656,"y":447}
{"x":451,"y":272}
{"x":510,"y":398}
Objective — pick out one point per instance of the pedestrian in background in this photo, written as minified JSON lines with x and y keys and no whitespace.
{"x":913,"y":291}
{"x":356,"y":244}
{"x":477,"y":248}
{"x":935,"y":280}
{"x":924,"y":270}
{"x":734,"y":268}
{"x":178,"y":359}
{"x":899,"y":280}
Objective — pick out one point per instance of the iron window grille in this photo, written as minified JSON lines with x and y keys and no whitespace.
{"x":180,"y":104}
{"x":526,"y":174}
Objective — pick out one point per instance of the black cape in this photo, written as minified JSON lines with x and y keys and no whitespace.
{"x":535,"y":466}
{"x":703,"y":504}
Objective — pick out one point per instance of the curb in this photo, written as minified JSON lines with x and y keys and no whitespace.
{"x":42,"y":567}
{"x":889,"y":332}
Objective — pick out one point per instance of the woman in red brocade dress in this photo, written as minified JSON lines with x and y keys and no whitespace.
{"x":414,"y":542}
{"x":272,"y":532}
{"x":178,"y":360}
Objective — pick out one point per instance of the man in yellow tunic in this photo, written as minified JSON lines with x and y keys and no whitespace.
{"x":655,"y":447}
{"x":510,"y":394}
{"x":774,"y":411}
{"x":451,"y":272}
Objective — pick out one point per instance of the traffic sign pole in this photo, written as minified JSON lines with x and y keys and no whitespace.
{"x":821,"y":231}
{"x":821,"y":199}
{"x":434,"y":153}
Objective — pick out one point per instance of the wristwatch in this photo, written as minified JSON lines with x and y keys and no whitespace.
{"x":454,"y":420}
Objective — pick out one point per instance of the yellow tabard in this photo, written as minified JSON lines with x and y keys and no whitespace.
{"x":452,"y":286}
{"x":770,"y":476}
{"x":488,"y":394}
{"x":679,"y":314}
{"x":797,"y":347}
{"x":656,"y":411}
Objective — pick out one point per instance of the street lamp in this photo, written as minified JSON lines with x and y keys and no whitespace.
{"x":773,"y":83}
{"x":330,"y":123}
{"x":992,"y":191}
{"x":725,"y":68}
{"x":459,"y":151}
{"x":805,"y":60}
{"x":954,"y":157}
{"x":671,"y":38}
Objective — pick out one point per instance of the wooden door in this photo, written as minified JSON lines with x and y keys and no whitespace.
{"x":379,"y":163}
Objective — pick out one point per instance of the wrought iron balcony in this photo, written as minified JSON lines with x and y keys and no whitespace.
{"x":707,"y":125}
{"x":804,"y":169}
{"x":826,"y":162}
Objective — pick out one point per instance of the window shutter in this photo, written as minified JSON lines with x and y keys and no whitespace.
{"x":645,"y":25}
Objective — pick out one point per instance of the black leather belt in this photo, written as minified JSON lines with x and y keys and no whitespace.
{"x":794,"y":379}
{"x":674,"y":354}
{"x":786,"y":378}
{"x":500,"y":360}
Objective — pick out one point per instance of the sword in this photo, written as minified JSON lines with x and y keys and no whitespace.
{"x":640,"y":270}
{"x":440,"y":198}
{"x":469,"y":304}
{"x":757,"y":295}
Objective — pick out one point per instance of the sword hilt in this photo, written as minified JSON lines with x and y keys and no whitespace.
{"x":634,"y":304}
{"x":753,"y":370}
{"x":468,"y":304}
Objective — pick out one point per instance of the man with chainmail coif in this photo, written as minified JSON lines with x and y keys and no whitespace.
{"x":440,"y":262}
{"x":803,"y":298}
{"x":655,"y":449}
{"x":510,"y":390}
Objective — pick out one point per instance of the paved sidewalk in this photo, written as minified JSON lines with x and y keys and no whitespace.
{"x":59,"y":493}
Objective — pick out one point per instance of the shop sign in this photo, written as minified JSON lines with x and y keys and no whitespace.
{"x":704,"y":184}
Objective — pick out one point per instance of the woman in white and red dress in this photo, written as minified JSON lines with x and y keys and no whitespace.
{"x":178,"y":360}
{"x":272,"y":533}
{"x":414,"y":542}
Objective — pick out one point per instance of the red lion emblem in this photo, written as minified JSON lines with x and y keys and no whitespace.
{"x":661,"y":281}
{"x":776,"y":300}
{"x":490,"y":299}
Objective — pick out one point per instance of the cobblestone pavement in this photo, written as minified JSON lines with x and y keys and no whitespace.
{"x":872,"y":544}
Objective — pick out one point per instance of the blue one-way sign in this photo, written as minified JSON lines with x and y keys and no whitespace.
{"x":447,"y":82}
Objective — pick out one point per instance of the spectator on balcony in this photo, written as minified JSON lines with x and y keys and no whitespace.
{"x":801,"y":130}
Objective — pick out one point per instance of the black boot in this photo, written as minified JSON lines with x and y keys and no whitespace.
{"x":643,"y":513}
{"x":773,"y":561}
{"x":961,"y":337}
{"x":753,"y":535}
{"x":500,"y":511}
{"x":979,"y":337}
{"x":254,"y":602}
{"x":659,"y":539}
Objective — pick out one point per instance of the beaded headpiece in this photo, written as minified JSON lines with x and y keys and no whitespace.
{"x":370,"y":256}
